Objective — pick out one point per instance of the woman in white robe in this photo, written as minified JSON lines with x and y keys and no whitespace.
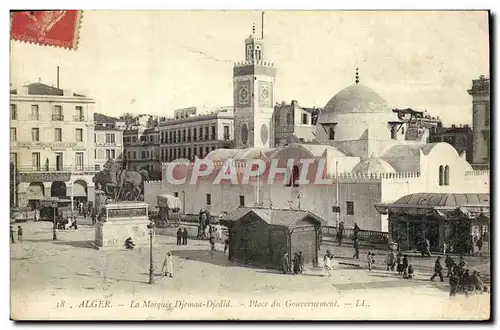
{"x":168,"y":266}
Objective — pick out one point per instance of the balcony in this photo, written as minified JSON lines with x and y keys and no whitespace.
{"x":226,"y":137}
{"x":78,"y":118}
{"x":57,"y":117}
{"x":56,"y":169}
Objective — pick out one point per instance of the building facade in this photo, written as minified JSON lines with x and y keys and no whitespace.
{"x":461,"y":138}
{"x":480,"y":93}
{"x":52,"y":143}
{"x":108,"y":140}
{"x":190,"y":134}
{"x":141,"y":149}
{"x":293,"y":123}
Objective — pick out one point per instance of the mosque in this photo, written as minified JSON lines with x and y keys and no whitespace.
{"x":368,"y":156}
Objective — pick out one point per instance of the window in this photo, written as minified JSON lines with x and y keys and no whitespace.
{"x":349,"y":208}
{"x":332,"y":134}
{"x":59,"y":161}
{"x":184,"y":135}
{"x":35,"y":112}
{"x":213,"y":132}
{"x":79,"y":135}
{"x":441,"y":175}
{"x":58,"y":134}
{"x":206,"y":133}
{"x":143,"y":139}
{"x":209,"y":199}
{"x":402,"y":130}
{"x":304,"y":119}
{"x":110,"y":138}
{"x":151,"y":138}
{"x":95,"y":153}
{"x":169,"y":137}
{"x":189,"y":135}
{"x":393,"y":132}
{"x":201,"y":133}
{"x":188,"y":156}
{"x":201,"y":152}
{"x":35,"y":160}
{"x":178,"y":136}
{"x":194,"y":134}
{"x":289,"y":119}
{"x":176,"y":194}
{"x":135,"y":155}
{"x":13,"y":134}
{"x":242,"y":200}
{"x":213,"y":148}
{"x":487,"y":114}
{"x":35,"y":134}
{"x":226,"y":132}
{"x":108,"y":156}
{"x":57,"y":113}
{"x":446,"y":175}
{"x":207,"y":150}
{"x":79,"y":113}
{"x":143,"y":155}
{"x":13,"y":112}
{"x":79,"y":160}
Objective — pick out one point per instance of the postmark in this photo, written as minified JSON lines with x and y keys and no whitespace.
{"x":58,"y":28}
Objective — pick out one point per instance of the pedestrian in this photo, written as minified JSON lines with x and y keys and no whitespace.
{"x":449,"y":263}
{"x":479,"y":245}
{"x":168,"y":266}
{"x":301,"y":261}
{"x":327,"y":263}
{"x":129,"y":244}
{"x":93,"y":217}
{"x":426,"y":248}
{"x":445,"y":247}
{"x":179,"y":236}
{"x":370,"y":260}
{"x":356,"y":249}
{"x":438,"y":270}
{"x":340,"y":233}
{"x":399,"y":261}
{"x":285,"y":267}
{"x":296,"y":263}
{"x":356,"y":231}
{"x":212,"y":240}
{"x":410,"y":272}
{"x":226,"y":245}
{"x":461,"y":263}
{"x":12,"y":234}
{"x":470,"y":245}
{"x":19,"y":234}
{"x":453,"y":284}
{"x":185,"y":237}
{"x":84,"y":211}
{"x":405,"y":266}
{"x":74,"y":224}
{"x":35,"y":215}
{"x":391,"y":260}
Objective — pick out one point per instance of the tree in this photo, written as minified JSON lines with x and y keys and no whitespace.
{"x":129,"y":119}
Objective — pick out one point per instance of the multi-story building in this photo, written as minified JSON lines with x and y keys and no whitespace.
{"x":190,"y":134}
{"x":480,"y":93}
{"x":293,"y":123}
{"x":108,"y":140}
{"x":52,"y":143}
{"x":459,"y":137}
{"x":141,"y":149}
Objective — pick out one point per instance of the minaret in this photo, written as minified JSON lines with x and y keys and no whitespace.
{"x":253,"y":86}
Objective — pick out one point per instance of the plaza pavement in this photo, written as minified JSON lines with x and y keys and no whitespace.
{"x":70,"y":266}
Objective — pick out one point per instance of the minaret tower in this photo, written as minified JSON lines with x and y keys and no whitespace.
{"x":253,"y":87}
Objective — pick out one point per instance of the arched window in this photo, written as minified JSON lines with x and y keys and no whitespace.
{"x":332,"y":133}
{"x":441,"y":175}
{"x":289,"y":118}
{"x":446,"y":175}
{"x":402,"y":130}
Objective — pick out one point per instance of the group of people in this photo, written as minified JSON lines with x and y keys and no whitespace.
{"x":182,"y":236}
{"x":297,"y":263}
{"x":395,"y":261}
{"x":461,"y":278}
{"x":19,"y":234}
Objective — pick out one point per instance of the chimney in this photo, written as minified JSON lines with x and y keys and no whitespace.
{"x":453,"y":126}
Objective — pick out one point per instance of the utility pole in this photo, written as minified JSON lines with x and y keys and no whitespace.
{"x":337,"y":188}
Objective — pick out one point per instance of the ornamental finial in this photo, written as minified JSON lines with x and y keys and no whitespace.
{"x":357,"y":76}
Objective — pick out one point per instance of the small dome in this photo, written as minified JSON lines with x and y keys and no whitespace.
{"x":356,"y":98}
{"x":373,"y":165}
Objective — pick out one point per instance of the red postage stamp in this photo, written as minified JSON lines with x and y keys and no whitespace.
{"x":57,"y":28}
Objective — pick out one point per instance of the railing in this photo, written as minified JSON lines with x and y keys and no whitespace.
{"x":78,"y":118}
{"x":57,"y":117}
{"x":366,"y":237}
{"x":55,"y":169}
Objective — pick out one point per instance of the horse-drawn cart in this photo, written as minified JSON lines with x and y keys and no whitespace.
{"x":169,"y":208}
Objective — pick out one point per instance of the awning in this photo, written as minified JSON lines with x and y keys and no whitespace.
{"x":169,"y":201}
{"x":35,"y":192}
{"x":471,"y":212}
{"x":79,"y":190}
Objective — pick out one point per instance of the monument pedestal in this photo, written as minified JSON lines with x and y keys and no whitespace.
{"x":119,"y":221}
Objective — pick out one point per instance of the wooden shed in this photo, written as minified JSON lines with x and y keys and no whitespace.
{"x":261,"y":236}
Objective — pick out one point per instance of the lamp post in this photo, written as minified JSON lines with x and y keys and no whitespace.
{"x":54,"y":233}
{"x":151,"y":269}
{"x":184,"y":201}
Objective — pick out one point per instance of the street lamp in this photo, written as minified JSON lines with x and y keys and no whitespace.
{"x":151,"y":227}
{"x":54,"y":233}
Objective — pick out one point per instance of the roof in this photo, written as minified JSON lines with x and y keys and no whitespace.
{"x":454,"y":130}
{"x":373,"y":165}
{"x":443,"y":199}
{"x":42,"y":89}
{"x":278,"y":217}
{"x":106,"y":128}
{"x":352,"y":99}
{"x":101,"y":118}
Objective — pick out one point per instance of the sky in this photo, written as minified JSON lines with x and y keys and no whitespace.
{"x":158,"y":61}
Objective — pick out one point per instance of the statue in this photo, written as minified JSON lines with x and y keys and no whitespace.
{"x":119,"y":184}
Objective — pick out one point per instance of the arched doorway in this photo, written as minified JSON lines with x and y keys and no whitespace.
{"x":36,"y":191}
{"x":80,"y":191}
{"x":58,"y":189}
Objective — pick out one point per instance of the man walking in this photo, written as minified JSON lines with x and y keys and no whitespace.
{"x":20,"y":234}
{"x":285,"y":267}
{"x":356,"y":249}
{"x":12,"y":234}
{"x":438,"y":270}
{"x":340,"y":233}
{"x":426,"y":248}
{"x":185,"y":237}
{"x":479,"y":245}
{"x":179,"y":236}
